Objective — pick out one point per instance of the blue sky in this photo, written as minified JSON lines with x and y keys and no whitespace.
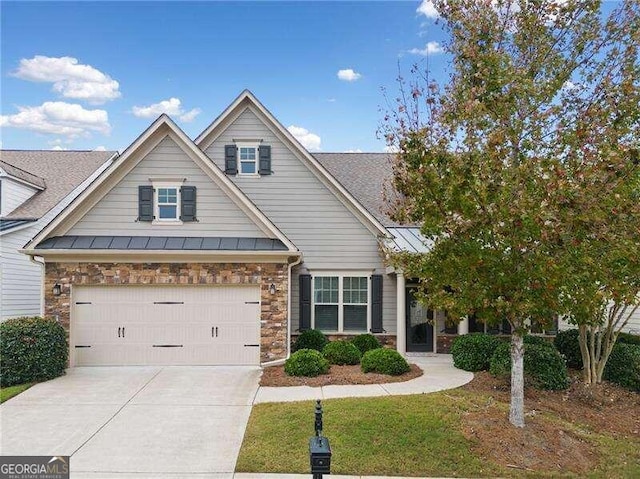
{"x":89,"y":75}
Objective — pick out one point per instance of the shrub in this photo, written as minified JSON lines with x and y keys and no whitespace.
{"x":627,"y":338}
{"x":538,"y":340}
{"x":568,"y":345}
{"x":32,"y":349}
{"x":384,"y":361}
{"x":366,"y":342}
{"x":341,"y":352}
{"x":306,"y":362}
{"x":472,"y":352}
{"x":623,"y":366}
{"x":311,"y":339}
{"x":544,"y":368}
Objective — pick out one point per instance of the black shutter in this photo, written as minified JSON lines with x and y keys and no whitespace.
{"x":264,"y":155}
{"x":376,"y":303}
{"x":305,"y":301}
{"x":145,"y":203}
{"x":231,"y":159}
{"x":188,"y":203}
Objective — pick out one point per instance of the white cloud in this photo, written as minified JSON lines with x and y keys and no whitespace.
{"x":431,"y":48}
{"x":391,"y":149}
{"x":428,"y":9}
{"x":100,"y":148}
{"x":58,"y":148}
{"x":172,"y":107}
{"x":58,"y":118}
{"x":70,"y":78}
{"x":348,"y":75}
{"x":331,"y":100}
{"x":357,"y":150}
{"x":309,"y":140}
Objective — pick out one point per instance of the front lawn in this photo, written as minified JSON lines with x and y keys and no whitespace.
{"x":461,"y":432}
{"x":11,"y":391}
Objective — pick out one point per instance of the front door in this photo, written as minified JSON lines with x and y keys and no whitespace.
{"x":419,"y":325}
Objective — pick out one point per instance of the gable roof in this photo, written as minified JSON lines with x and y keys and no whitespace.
{"x":246,"y":98}
{"x":161,"y":128}
{"x":57,"y":173}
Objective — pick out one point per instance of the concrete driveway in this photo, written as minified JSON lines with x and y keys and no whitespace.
{"x":135,"y":421}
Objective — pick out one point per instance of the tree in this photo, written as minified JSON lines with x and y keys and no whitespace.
{"x":483,"y":160}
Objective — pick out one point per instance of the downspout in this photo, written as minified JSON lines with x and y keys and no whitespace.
{"x":42,"y":266}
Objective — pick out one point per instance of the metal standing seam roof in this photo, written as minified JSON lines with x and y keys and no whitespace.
{"x":409,"y":239}
{"x":154,"y":243}
{"x":9,"y":224}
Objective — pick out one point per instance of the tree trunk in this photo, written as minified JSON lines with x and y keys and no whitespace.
{"x":584,"y":352}
{"x":516,"y":411}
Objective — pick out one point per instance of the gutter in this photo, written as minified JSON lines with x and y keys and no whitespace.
{"x":42,"y":267}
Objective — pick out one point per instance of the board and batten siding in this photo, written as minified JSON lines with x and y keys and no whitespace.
{"x":13,"y":194}
{"x":117,"y":212}
{"x":327,"y":233}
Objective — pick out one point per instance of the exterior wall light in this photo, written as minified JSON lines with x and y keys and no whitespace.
{"x":272,"y":288}
{"x":57,"y":289}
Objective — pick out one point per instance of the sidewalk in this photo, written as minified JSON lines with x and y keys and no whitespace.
{"x":439,"y":374}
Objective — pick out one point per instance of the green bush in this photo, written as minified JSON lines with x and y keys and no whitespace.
{"x":32,"y":349}
{"x":366,"y":342}
{"x":568,"y":345}
{"x":626,"y":338}
{"x":544,"y":368}
{"x":384,"y":361}
{"x":306,"y":362}
{"x":341,"y":353}
{"x":472,"y":352}
{"x":538,"y":340}
{"x":623,"y":366}
{"x":311,"y":339}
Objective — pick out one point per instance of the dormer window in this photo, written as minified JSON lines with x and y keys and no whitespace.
{"x":248,"y":156}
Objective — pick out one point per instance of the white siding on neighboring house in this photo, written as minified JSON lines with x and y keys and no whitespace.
{"x":327,"y":233}
{"x":633,"y":326}
{"x":14,"y":194}
{"x":117,"y":212}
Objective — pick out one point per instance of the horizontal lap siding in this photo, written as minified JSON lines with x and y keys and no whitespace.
{"x":14,"y":194}
{"x":307,"y":212}
{"x":117,"y":212}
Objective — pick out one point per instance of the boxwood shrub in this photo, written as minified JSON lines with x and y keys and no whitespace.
{"x":366,"y":342}
{"x":544,"y":368}
{"x":31,"y":349}
{"x":311,"y":339}
{"x":472,"y":352}
{"x":384,"y":361}
{"x":627,"y":338}
{"x":341,"y":353}
{"x":623,"y":366}
{"x":306,"y":362}
{"x":568,"y":345}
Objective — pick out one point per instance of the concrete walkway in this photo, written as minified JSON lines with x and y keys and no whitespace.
{"x":439,"y":374}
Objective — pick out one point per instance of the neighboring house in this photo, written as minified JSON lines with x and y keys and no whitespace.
{"x":219,"y":250}
{"x":34,"y":187}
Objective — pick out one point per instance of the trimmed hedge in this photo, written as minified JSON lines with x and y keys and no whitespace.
{"x":623,"y":366}
{"x":538,"y":341}
{"x":32,"y":349}
{"x":627,"y":338}
{"x":341,"y":353}
{"x":366,"y":342}
{"x":306,"y":362}
{"x":568,"y":345}
{"x":472,"y":352}
{"x":311,"y":339}
{"x":384,"y":361}
{"x":544,"y":368}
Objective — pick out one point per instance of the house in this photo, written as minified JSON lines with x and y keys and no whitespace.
{"x":219,"y":250}
{"x":34,"y":187}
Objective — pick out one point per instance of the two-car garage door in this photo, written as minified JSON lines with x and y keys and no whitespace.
{"x":165,"y":325}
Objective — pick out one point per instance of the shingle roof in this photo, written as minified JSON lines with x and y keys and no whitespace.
{"x":19,"y":173}
{"x":367,"y":176}
{"x":61,"y":172}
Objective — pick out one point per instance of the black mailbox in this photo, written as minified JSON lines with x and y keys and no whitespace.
{"x":320,"y":454}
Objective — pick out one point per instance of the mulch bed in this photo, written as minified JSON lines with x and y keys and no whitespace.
{"x":275,"y":376}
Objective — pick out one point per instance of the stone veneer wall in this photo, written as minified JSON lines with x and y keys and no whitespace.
{"x":273,"y":330}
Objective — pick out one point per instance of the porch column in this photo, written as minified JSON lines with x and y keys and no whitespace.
{"x":401,"y":327}
{"x":463,"y":326}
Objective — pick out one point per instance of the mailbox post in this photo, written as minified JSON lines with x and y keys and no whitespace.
{"x":319,"y":448}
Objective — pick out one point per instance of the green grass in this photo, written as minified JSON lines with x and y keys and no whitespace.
{"x":11,"y":391}
{"x":399,"y":435}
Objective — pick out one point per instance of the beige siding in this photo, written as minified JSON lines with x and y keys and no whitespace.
{"x":14,"y":194}
{"x":116,"y":213}
{"x":306,"y":211}
{"x":633,"y":326}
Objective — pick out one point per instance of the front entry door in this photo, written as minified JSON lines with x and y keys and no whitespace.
{"x":419,"y":325}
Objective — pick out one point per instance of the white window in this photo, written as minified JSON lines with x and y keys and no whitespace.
{"x":248,"y":157}
{"x":341,"y":303}
{"x":166,"y":202}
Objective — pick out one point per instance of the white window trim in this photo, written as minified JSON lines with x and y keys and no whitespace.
{"x":341,"y":275}
{"x":246,"y":144}
{"x":156,"y":210}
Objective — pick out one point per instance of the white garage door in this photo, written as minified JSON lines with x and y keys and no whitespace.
{"x":165,"y":325}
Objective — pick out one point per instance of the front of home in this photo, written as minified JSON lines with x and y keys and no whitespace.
{"x":220,"y":250}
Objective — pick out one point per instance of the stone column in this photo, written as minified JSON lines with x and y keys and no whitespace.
{"x":463,"y":326}
{"x":401,"y":327}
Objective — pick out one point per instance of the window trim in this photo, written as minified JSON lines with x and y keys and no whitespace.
{"x":256,"y":162}
{"x":341,"y":304}
{"x":156,"y":206}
